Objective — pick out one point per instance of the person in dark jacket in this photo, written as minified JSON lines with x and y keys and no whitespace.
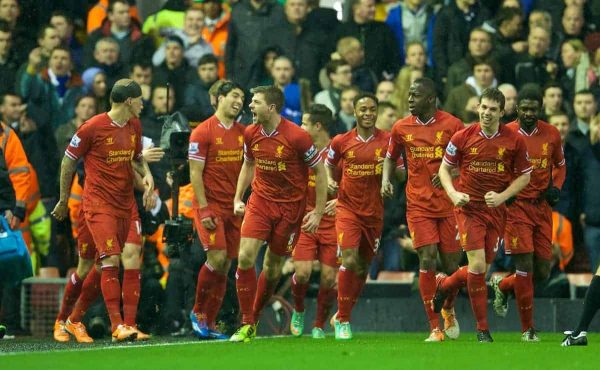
{"x":590,"y":197}
{"x":174,"y":70}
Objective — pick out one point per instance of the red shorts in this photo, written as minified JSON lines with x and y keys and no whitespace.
{"x":277,"y":223}
{"x":226,"y":236}
{"x":353,"y":232}
{"x":529,"y":228}
{"x":441,"y":231}
{"x":480,"y":227}
{"x":86,"y":244}
{"x":321,"y":246}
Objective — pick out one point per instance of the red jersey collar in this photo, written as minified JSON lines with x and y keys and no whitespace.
{"x":496,"y":134}
{"x":429,"y":121}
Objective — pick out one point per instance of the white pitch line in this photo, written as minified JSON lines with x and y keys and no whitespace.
{"x":128,"y":346}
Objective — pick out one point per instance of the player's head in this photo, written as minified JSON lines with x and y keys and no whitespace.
{"x":529,"y":103}
{"x":560,"y":120}
{"x":127,"y":93}
{"x":316,"y":120}
{"x":491,"y":107}
{"x":267,"y":101}
{"x":365,"y":110}
{"x":230,"y":99}
{"x":422,"y":96}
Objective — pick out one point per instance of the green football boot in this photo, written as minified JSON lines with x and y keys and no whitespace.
{"x":297,"y":324}
{"x":244,"y":334}
{"x":318,"y":333}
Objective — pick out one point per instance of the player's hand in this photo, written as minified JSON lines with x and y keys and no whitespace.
{"x":332,"y":186}
{"x":152,"y":155}
{"x":459,"y":199}
{"x":436,"y":182}
{"x":387,"y":189}
{"x":493,"y":199}
{"x":311,"y":221}
{"x":239,"y":208}
{"x":330,"y":207}
{"x":208,"y":218}
{"x":149,"y":202}
{"x":61,"y":210}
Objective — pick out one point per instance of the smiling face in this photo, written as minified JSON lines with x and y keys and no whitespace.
{"x":365,"y":112}
{"x":231,"y":105}
{"x":489,"y":113}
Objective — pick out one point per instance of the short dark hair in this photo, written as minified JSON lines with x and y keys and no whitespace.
{"x":42,"y":32}
{"x":60,"y":13}
{"x":9,"y":93}
{"x":386,"y":105}
{"x":506,"y":14}
{"x":551,"y":85}
{"x":493,"y":94}
{"x":365,"y":95}
{"x":139,"y":63}
{"x":559,"y":114}
{"x":228,"y":86}
{"x":81,"y":97}
{"x":320,"y":113}
{"x":529,"y":92}
{"x":428,"y":84}
{"x":273,"y":95}
{"x":124,"y":89}
{"x":112,"y":3}
{"x":61,"y":48}
{"x":208,"y":59}
{"x":488,"y":61}
{"x":333,"y":65}
{"x":584,"y":92}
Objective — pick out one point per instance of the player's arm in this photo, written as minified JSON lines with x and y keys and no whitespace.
{"x":141,"y":166}
{"x":493,"y":199}
{"x":67,"y":170}
{"x":207,"y":217}
{"x":389,"y":167}
{"x":445,"y":176}
{"x":244,"y":180}
{"x":312,"y":219}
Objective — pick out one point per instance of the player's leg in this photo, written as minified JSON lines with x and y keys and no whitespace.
{"x":427,"y":268}
{"x":325,"y":299}
{"x":302,"y":270}
{"x":477,"y":289}
{"x":131,"y":286}
{"x":591,"y":304}
{"x":246,"y":277}
{"x":90,"y":291}
{"x":450,"y":264}
{"x":268,"y":279}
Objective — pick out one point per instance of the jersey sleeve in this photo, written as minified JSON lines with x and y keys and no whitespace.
{"x":248,"y":155}
{"x":199,"y":144}
{"x":307,"y":149}
{"x":396,"y":145}
{"x":521,"y":160}
{"x":400,"y":163}
{"x":334,"y":155}
{"x":559,"y":171}
{"x":81,"y":142}
{"x":453,"y":153}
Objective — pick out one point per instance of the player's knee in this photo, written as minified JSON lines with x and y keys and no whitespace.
{"x":217,"y":260}
{"x":350,"y":259}
{"x":272,"y":272}
{"x":84,"y":267}
{"x":302,"y":275}
{"x":542,"y":272}
{"x":427,"y":263}
{"x":110,"y":261}
{"x":246,"y":259}
{"x":328,"y":279}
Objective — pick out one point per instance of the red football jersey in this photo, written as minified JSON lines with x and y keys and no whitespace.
{"x":282,"y":159}
{"x":487,"y":163}
{"x":362,"y":165}
{"x":221,"y":149}
{"x":545,"y":154}
{"x":424,"y":144}
{"x":311,"y":197}
{"x":107,"y":150}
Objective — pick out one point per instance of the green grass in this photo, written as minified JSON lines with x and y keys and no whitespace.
{"x":367,"y":351}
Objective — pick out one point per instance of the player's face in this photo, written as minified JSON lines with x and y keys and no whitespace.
{"x":365,"y":112}
{"x":309,"y":126}
{"x":528,"y":112}
{"x":489,"y":113}
{"x":261,"y":111}
{"x":135,"y":106}
{"x":232,"y":103}
{"x":561,"y":122}
{"x":419,"y":102}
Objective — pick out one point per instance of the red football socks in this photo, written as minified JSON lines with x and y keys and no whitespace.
{"x":264,"y":292}
{"x":478,"y":296}
{"x":72,"y":291}
{"x":455,"y":281}
{"x":299,"y":292}
{"x":349,"y":288}
{"x":111,"y":290}
{"x":216,"y":299}
{"x":325,"y":300}
{"x":246,"y":291}
{"x":89,"y":293}
{"x":524,"y":298}
{"x":131,"y":295}
{"x":507,"y":284}
{"x":207,"y":277}
{"x":427,"y":288}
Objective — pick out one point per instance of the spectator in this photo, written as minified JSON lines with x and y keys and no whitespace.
{"x":106,"y":57}
{"x":541,"y":18}
{"x":308,"y":48}
{"x":63,"y":24}
{"x":553,"y":101}
{"x":98,"y":13}
{"x":339,"y":73}
{"x":590,"y":211}
{"x":510,"y":104}
{"x":578,"y":72}
{"x":483,"y":77}
{"x":170,"y":17}
{"x":345,"y":117}
{"x":196,"y":105}
{"x":507,"y":33}
{"x":216,"y":24}
{"x":174,"y":70}
{"x":416,"y":58}
{"x":94,"y":84}
{"x":402,"y":83}
{"x":191,"y":35}
{"x":51,"y":93}
{"x":573,"y":23}
{"x":562,"y":240}
{"x":351,"y":50}
{"x":141,"y":73}
{"x":9,"y":64}
{"x":21,"y":33}
{"x":249,"y":21}
{"x":381,"y":52}
{"x":386,"y":116}
{"x":453,"y":24}
{"x":85,"y":108}
{"x":479,"y":46}
{"x":283,"y":77}
{"x":412,"y":21}
{"x":585,"y":108}
{"x":119,"y":25}
{"x":47,"y":40}
{"x":385,"y":90}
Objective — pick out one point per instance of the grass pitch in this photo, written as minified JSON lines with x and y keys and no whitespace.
{"x":366,"y":351}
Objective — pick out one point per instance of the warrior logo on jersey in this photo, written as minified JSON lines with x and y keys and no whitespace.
{"x":474,"y":151}
{"x":350,"y":154}
{"x":219,"y":141}
{"x":408,"y":137}
{"x":110,"y":140}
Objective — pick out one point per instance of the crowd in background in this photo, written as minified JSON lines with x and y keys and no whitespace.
{"x":59,"y":60}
